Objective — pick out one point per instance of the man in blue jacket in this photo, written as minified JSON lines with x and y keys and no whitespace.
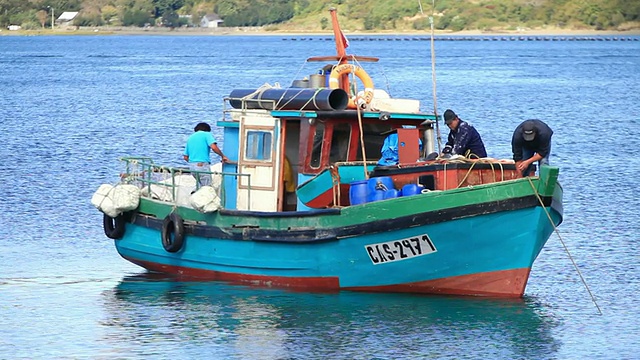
{"x":463,"y":138}
{"x":531,"y":142}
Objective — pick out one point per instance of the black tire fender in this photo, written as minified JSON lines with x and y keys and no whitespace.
{"x":113,"y":227}
{"x":172,"y":233}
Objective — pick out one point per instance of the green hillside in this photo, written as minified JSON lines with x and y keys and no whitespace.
{"x":312,"y":15}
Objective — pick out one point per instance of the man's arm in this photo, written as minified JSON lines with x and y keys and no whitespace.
{"x":448,"y":146}
{"x":545,"y":147}
{"x":523,"y":165}
{"x":462,"y":140}
{"x":217,"y":150}
{"x":516,"y":148}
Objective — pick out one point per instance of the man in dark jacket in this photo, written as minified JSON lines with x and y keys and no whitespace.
{"x":531,"y":142}
{"x":463,"y":138}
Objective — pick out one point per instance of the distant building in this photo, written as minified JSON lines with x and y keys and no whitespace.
{"x":66,"y":18}
{"x":211,"y":21}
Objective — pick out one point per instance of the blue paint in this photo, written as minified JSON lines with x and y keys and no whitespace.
{"x":230,"y":150}
{"x":302,"y":178}
{"x":313,"y":186}
{"x":351,"y":173}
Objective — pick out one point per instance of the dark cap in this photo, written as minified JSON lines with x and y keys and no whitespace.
{"x":449,"y":116}
{"x":528,"y":130}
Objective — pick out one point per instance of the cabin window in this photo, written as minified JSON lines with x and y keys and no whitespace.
{"x":316,"y":151}
{"x":374,"y":135}
{"x":340,"y":142}
{"x":258,"y":145}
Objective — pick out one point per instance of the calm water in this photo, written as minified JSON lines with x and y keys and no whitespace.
{"x":70,"y":106}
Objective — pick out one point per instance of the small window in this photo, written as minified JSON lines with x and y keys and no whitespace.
{"x":340,"y":142}
{"x":258,"y":145}
{"x":316,"y":151}
{"x":374,"y":135}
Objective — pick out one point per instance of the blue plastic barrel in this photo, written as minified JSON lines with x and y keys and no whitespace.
{"x":393,"y":193}
{"x":380,"y":183}
{"x":358,"y":191}
{"x":376,"y":195}
{"x":411,"y":189}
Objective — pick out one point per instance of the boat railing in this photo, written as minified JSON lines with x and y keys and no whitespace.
{"x":145,"y":174}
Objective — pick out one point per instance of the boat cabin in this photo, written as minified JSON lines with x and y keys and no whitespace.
{"x":310,"y":145}
{"x":321,"y":151}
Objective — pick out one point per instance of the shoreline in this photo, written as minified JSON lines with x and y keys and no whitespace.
{"x":266,"y":32}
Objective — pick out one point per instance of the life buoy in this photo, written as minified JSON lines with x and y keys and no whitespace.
{"x":334,"y":83}
{"x":113,"y":227}
{"x":172,"y":233}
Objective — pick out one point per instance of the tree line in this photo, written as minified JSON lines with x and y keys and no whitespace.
{"x":312,"y":15}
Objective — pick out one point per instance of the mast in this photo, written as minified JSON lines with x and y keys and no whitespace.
{"x":341,"y":47}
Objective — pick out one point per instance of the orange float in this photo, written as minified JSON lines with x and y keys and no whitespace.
{"x":354,"y":102}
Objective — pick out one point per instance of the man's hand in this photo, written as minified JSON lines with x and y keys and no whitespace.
{"x":521,"y":165}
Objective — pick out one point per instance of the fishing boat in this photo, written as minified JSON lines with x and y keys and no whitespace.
{"x":304,"y":204}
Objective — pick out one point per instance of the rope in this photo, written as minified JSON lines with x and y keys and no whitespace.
{"x":304,"y":63}
{"x":313,"y":98}
{"x":467,"y":174}
{"x":364,"y":153}
{"x":470,"y":159}
{"x":566,"y":249}
{"x":335,"y":184}
{"x":493,"y":171}
{"x":259,"y":91}
{"x":445,"y":175}
{"x":386,"y":81}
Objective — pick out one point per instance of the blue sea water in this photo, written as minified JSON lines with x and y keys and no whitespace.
{"x":70,"y":106}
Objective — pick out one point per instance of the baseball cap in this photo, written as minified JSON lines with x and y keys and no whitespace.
{"x":449,"y":116}
{"x":528,"y":130}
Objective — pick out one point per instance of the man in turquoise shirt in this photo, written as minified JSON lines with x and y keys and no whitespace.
{"x":196,"y":152}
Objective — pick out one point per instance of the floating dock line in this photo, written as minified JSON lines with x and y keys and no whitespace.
{"x":476,"y":38}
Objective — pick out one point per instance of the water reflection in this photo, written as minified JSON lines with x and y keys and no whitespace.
{"x":238,"y":322}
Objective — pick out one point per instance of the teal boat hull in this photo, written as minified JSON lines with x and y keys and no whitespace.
{"x":481,"y":248}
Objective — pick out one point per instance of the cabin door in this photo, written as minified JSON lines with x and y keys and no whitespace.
{"x":258,"y":187}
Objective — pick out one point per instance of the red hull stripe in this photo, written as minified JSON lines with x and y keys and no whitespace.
{"x":306,"y":283}
{"x":506,"y":283}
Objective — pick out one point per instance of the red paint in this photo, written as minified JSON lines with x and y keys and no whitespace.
{"x":325,"y":200}
{"x":507,"y":283}
{"x":301,"y":283}
{"x":321,"y":201}
{"x":452,"y":178}
{"x":408,"y":146}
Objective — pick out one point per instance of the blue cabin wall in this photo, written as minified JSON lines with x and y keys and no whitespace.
{"x":231,"y":151}
{"x":302,"y":178}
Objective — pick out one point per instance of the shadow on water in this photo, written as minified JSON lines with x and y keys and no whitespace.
{"x":233,"y":321}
